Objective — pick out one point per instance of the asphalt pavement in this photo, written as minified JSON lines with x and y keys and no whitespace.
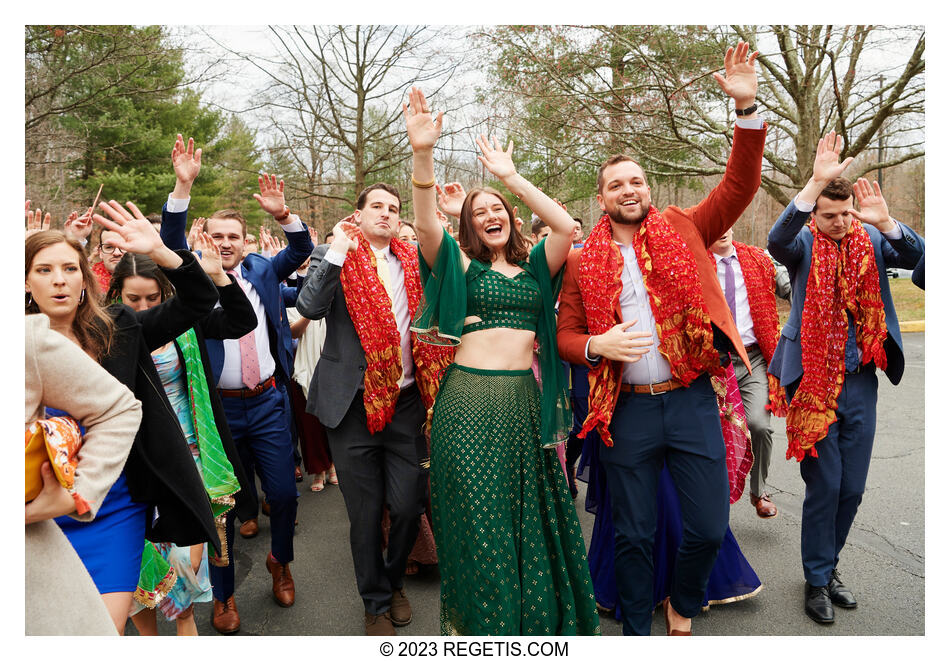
{"x":883,"y":561}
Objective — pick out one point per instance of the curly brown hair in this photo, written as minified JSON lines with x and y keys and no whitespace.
{"x":92,"y":325}
{"x":517,"y":248}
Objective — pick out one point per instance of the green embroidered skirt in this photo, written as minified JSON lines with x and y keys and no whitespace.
{"x":511,"y":553}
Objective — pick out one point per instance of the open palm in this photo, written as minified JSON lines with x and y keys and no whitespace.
{"x":137,"y":234}
{"x":422,"y":130}
{"x":495,"y":159}
{"x":741,"y":80}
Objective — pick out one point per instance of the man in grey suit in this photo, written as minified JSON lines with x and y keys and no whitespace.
{"x":373,"y":468}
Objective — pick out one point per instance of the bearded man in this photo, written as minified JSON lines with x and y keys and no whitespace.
{"x":651,"y":397}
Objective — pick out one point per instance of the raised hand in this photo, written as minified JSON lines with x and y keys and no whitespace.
{"x":197,"y":227}
{"x":451,"y":198}
{"x":314,"y":237}
{"x":210,"y":258}
{"x":741,"y":81}
{"x":35,"y":222}
{"x":873,"y":205}
{"x":422,"y":130}
{"x":495,"y":159}
{"x":271,"y":197}
{"x":186,"y":161}
{"x":137,"y":234}
{"x":345,"y":235}
{"x":827,"y":156}
{"x":79,"y":227}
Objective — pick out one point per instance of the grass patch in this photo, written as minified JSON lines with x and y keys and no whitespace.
{"x":908,"y":301}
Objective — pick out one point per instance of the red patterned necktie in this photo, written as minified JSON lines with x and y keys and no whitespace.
{"x":250,"y":364}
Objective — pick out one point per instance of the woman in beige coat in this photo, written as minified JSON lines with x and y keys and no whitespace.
{"x":60,"y":595}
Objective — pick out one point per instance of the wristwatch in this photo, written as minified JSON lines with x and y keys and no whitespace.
{"x":286,"y":213}
{"x":747,"y":111}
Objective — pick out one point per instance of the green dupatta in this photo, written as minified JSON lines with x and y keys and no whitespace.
{"x":217,"y":473}
{"x":442,"y":311}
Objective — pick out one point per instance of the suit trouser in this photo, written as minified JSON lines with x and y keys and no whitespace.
{"x":754,"y":388}
{"x":259,"y":428}
{"x":835,"y":479}
{"x":681,"y":427}
{"x":377,"y":469}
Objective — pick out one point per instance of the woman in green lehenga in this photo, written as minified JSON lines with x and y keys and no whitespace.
{"x":511,"y":553}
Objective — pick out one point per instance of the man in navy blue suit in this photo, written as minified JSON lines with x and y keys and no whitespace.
{"x":843,"y":327}
{"x":251,"y":372}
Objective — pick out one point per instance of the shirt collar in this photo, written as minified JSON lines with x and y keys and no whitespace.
{"x":719,"y":257}
{"x":384,"y":253}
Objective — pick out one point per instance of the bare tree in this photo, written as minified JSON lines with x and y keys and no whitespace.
{"x":333,"y":97}
{"x":585,"y":91}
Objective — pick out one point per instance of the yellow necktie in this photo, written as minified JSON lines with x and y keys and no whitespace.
{"x":382,"y":268}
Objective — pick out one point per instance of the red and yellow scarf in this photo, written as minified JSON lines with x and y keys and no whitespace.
{"x":103,"y":277}
{"x":676,"y":299}
{"x":371,"y":310}
{"x":843,"y":278}
{"x":758,"y":272}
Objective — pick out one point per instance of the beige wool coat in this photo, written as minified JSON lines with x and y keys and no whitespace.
{"x":61,"y":597}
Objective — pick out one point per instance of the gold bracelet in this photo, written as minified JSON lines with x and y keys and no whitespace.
{"x":429,"y":184}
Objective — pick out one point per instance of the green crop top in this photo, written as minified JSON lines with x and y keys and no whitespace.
{"x":525,"y":301}
{"x":500,"y":301}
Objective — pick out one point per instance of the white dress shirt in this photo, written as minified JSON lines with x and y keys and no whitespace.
{"x":400,"y":306}
{"x":743,"y":313}
{"x":231,"y":372}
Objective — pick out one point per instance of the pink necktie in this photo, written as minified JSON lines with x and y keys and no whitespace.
{"x":250,"y":364}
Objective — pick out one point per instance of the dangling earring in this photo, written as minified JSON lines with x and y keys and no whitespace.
{"x":30,"y":302}
{"x":82,"y":296}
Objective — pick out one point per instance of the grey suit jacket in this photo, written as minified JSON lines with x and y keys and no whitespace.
{"x":339,"y":374}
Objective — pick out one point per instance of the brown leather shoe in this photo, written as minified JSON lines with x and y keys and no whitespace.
{"x":225,"y":618}
{"x":249,"y":529}
{"x":670,"y":631}
{"x":283,"y":581}
{"x":265,"y":508}
{"x":378,"y":625}
{"x":400,"y":612}
{"x":763,"y":506}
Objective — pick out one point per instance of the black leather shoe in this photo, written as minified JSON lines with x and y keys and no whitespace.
{"x":818,"y":604}
{"x":840,"y":595}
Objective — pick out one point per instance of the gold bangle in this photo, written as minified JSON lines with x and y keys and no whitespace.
{"x":428,"y":184}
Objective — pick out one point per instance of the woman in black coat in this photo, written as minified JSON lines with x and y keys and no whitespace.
{"x":159,"y":494}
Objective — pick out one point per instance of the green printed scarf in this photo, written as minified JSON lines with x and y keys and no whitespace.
{"x":216,"y":471}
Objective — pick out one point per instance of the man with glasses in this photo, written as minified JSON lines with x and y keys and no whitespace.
{"x":109,"y":253}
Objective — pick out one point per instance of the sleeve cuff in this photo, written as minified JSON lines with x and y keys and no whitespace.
{"x":587,"y":354}
{"x":177,"y":205}
{"x":895,"y":233}
{"x":295,"y":224}
{"x":334,"y":257}
{"x":755,"y":123}
{"x":804,"y":207}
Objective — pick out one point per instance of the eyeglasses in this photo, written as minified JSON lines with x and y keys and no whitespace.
{"x":110,"y":248}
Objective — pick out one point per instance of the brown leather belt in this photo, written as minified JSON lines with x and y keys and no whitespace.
{"x":244,"y":393}
{"x":651,"y":388}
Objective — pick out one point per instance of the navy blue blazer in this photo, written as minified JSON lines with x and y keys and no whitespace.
{"x":790,"y":242}
{"x":265,"y":275}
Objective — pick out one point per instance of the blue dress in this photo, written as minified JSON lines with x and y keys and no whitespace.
{"x":110,"y":546}
{"x":732,"y":576}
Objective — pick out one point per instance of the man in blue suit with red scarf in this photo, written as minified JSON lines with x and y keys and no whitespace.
{"x":842,"y":324}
